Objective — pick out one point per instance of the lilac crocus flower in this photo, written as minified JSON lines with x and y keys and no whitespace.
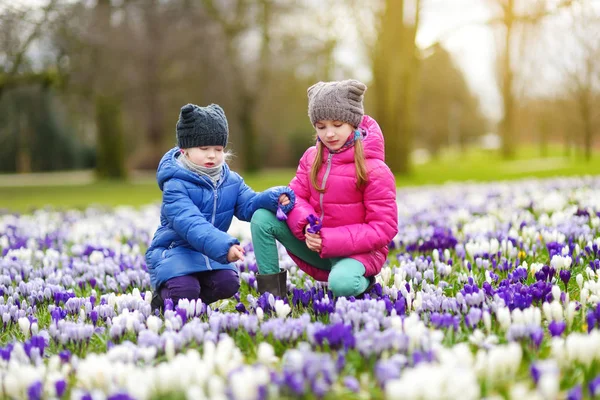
{"x":121,"y":396}
{"x":280,"y":214}
{"x":352,"y":384}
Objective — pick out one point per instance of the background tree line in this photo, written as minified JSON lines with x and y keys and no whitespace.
{"x":99,"y":83}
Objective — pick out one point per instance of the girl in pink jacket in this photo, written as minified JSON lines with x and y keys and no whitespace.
{"x":345,"y":214}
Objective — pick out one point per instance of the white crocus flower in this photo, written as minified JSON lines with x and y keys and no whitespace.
{"x":260,"y":313}
{"x":154,"y":323}
{"x":266,"y":353}
{"x":579,"y":280}
{"x":282,"y":309}
{"x":24,"y":325}
{"x":169,"y":349}
{"x":503,"y":317}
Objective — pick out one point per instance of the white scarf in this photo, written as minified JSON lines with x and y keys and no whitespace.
{"x":213,"y":173}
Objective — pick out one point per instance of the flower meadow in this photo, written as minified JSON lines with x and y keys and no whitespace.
{"x":490,"y":291}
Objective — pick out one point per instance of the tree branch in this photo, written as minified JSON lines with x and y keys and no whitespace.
{"x":34,"y":34}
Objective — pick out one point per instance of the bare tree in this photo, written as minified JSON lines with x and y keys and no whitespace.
{"x":234,"y":25}
{"x":19,"y":32}
{"x":511,"y":15}
{"x":582,"y":71}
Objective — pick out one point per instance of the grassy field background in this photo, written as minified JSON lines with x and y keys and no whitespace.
{"x":23,"y":193}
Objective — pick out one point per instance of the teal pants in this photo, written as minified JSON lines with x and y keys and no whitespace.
{"x":346,"y":276}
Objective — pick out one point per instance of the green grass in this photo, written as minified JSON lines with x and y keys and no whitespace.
{"x":450,"y":167}
{"x":483,"y":166}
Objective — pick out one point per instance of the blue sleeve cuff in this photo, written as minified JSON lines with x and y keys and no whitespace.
{"x":287,"y":190}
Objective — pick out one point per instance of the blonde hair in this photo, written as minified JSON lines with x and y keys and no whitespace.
{"x":359,"y":162}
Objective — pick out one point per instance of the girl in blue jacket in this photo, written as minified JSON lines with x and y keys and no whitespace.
{"x":191,"y":255}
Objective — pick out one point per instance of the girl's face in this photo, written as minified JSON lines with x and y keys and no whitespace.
{"x":333,"y":134}
{"x":205,"y":156}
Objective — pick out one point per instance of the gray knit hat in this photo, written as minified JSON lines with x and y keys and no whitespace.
{"x":341,"y":101}
{"x":202,"y":126}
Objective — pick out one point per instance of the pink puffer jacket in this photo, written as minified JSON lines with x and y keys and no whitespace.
{"x":356,"y":223}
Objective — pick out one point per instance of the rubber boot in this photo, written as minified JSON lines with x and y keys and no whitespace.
{"x":276,"y":284}
{"x":157,"y":302}
{"x":372,"y":282}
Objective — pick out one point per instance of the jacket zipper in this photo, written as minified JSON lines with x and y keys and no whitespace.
{"x":212,"y":220}
{"x":323,"y":185}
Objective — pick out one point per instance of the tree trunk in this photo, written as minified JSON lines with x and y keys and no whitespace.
{"x":155,"y":117}
{"x":586,"y":116}
{"x":567,"y":150}
{"x":543,"y":129}
{"x":507,"y":123}
{"x":23,"y":158}
{"x":395,"y":70}
{"x":110,"y":162}
{"x":110,"y":148}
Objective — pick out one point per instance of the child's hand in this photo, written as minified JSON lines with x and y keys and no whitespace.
{"x":236,"y":252}
{"x":314,"y":241}
{"x":284,"y":200}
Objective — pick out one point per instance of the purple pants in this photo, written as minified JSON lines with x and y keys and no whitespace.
{"x":209,"y":286}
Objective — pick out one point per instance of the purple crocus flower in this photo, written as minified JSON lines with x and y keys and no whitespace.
{"x":535,"y":373}
{"x":294,"y":382}
{"x":340,"y":362}
{"x":35,"y":391}
{"x":556,"y":328}
{"x":168,"y":304}
{"x":65,"y":356}
{"x":537,"y":335}
{"x":565,"y":276}
{"x":594,"y":386}
{"x":575,"y":393}
{"x":60,"y":387}
{"x":240,"y":307}
{"x":94,"y":316}
{"x":315,"y":224}
{"x":591,"y":320}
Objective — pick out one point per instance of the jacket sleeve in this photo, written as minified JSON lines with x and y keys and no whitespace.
{"x":190,"y":224}
{"x":249,"y":201}
{"x":381,"y":220}
{"x":300,"y":184}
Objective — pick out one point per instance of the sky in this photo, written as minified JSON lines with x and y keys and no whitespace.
{"x":460,"y":26}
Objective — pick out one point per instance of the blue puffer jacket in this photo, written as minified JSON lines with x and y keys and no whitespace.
{"x":195,"y":216}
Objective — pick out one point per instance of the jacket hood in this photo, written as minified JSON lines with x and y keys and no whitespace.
{"x":373,"y":142}
{"x":169,"y":168}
